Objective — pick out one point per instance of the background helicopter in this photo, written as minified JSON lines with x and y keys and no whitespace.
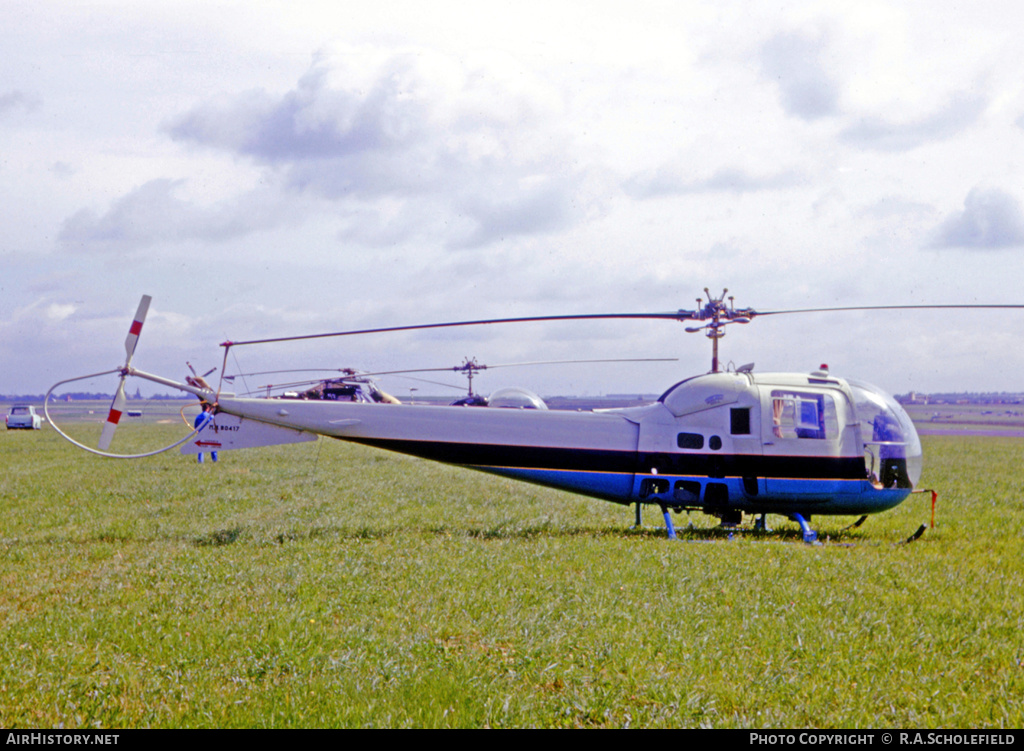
{"x":359,"y":386}
{"x":725,"y":443}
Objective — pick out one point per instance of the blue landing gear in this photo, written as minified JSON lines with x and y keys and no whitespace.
{"x":810,"y":536}
{"x":669,"y":527}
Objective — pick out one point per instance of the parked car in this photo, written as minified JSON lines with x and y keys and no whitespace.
{"x":24,"y":416}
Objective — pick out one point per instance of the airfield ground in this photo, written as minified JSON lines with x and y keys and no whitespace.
{"x":332,"y":585}
{"x":1005,"y":420}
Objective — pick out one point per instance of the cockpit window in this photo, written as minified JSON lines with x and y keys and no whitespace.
{"x":880,"y":415}
{"x":803,"y":415}
{"x":888,"y":436}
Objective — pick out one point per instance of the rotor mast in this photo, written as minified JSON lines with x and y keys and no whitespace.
{"x":469,"y":367}
{"x":718,"y":315}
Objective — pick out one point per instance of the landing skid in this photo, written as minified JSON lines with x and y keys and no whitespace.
{"x":730,"y":525}
{"x":916,"y":535}
{"x":855,"y":524}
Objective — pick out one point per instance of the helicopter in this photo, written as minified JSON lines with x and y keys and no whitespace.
{"x":726,"y":442}
{"x":357,"y":385}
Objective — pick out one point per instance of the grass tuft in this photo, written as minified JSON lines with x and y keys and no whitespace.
{"x":219,"y":537}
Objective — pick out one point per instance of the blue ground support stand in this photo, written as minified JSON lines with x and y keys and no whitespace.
{"x":810,"y":536}
{"x":669,"y":527}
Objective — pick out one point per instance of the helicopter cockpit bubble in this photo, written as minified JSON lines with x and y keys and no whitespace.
{"x":892,"y":449}
{"x":516,"y":398}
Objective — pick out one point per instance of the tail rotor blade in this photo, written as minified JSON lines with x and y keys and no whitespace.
{"x":116,"y":410}
{"x":133,"y":333}
{"x":120,"y":400}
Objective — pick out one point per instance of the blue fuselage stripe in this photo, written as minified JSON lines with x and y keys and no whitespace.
{"x":830,"y":484}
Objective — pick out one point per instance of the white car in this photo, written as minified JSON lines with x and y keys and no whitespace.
{"x":24,"y":416}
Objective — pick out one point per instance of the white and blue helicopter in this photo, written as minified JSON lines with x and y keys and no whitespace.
{"x":726,"y":443}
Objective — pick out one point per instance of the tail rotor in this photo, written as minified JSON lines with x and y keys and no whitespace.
{"x":197,"y":380}
{"x":120,"y":399}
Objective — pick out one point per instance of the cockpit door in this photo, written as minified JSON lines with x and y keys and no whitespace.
{"x":802,"y":436}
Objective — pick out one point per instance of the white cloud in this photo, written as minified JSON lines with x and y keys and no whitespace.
{"x":991,"y":219}
{"x":794,"y":61}
{"x":418,"y":130}
{"x":152,"y":213}
{"x":12,"y":101}
{"x":961,"y":110}
{"x":676,"y":179}
{"x":59,"y":311}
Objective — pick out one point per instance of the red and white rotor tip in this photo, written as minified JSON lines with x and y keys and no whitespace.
{"x":118,"y":405}
{"x":114,"y":417}
{"x":136,"y":328}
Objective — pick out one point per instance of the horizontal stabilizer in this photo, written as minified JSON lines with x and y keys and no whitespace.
{"x":228,"y":432}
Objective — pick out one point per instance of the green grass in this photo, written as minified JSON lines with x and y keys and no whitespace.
{"x":331,"y":585}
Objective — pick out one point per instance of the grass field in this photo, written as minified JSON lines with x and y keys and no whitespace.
{"x":331,"y":585}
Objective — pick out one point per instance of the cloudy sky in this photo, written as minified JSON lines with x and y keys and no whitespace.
{"x":268,"y":169}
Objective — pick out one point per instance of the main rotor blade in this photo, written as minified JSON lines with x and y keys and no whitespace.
{"x":132,"y":340}
{"x":465,"y":367}
{"x":475,"y":367}
{"x":888,"y":307}
{"x":293,"y":384}
{"x":572,"y":362}
{"x":711,"y":311}
{"x":291,"y":370}
{"x":681,"y":315}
